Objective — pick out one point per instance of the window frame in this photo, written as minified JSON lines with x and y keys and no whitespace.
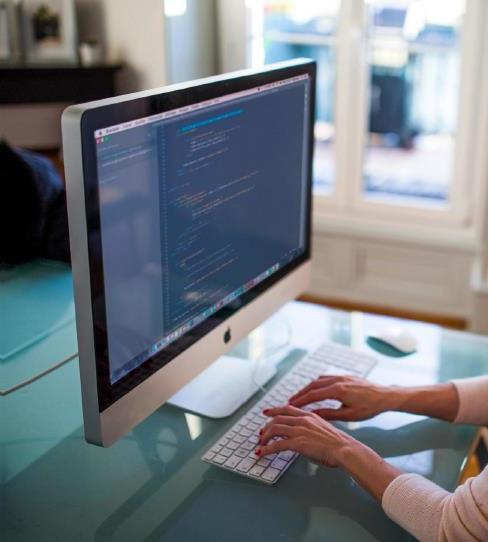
{"x":458,"y":220}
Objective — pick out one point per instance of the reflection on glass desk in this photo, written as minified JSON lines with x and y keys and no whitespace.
{"x":152,"y":485}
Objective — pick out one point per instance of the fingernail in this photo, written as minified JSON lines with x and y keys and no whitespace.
{"x":266,"y":410}
{"x":257,"y":451}
{"x":261,"y":431}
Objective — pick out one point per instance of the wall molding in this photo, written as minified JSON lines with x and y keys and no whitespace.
{"x":400,"y":277}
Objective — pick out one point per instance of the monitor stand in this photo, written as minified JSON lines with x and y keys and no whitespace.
{"x":223,"y":387}
{"x":233,"y":379}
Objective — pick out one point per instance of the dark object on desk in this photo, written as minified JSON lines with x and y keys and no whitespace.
{"x":34,"y":222}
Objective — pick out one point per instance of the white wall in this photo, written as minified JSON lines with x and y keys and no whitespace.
{"x":191,"y":42}
{"x":399,"y":275}
{"x":132,"y":32}
{"x":232,"y":34}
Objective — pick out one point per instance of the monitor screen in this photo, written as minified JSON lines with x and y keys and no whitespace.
{"x":200,"y":206}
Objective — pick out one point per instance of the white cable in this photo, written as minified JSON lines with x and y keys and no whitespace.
{"x":257,"y":362}
{"x":38,"y":375}
{"x":52,"y":368}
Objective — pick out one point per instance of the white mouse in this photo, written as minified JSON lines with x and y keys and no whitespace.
{"x":397,"y":338}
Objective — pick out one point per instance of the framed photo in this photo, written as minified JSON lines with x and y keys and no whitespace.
{"x":5,"y":32}
{"x":50,"y":33}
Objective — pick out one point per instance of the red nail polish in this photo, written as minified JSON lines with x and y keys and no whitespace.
{"x":266,"y":410}
{"x":257,"y":451}
{"x":260,"y":431}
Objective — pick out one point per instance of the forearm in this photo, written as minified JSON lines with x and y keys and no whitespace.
{"x":438,"y":401}
{"x":370,"y":471}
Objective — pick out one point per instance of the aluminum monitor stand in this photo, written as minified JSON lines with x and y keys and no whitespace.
{"x":233,"y":379}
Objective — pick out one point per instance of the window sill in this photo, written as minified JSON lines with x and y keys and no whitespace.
{"x":459,"y":239}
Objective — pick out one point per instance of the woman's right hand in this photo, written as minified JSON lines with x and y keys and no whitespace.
{"x":360,"y":399}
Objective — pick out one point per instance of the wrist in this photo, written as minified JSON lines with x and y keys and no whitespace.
{"x":439,"y":401}
{"x":368,"y":468}
{"x":395,"y":397}
{"x":350,"y":452}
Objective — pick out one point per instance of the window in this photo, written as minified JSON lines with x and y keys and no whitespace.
{"x":413,"y":59}
{"x":303,"y":28}
{"x":400,"y":89}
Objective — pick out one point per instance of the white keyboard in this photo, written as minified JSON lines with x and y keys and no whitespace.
{"x":235,"y":449}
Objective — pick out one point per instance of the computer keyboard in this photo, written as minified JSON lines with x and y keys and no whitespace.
{"x":235,"y":449}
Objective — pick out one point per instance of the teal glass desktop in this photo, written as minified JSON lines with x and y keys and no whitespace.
{"x":152,"y":485}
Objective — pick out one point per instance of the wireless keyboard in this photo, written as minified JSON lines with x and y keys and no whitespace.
{"x":235,"y":449}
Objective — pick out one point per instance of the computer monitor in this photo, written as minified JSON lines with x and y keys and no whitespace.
{"x":189,"y":214}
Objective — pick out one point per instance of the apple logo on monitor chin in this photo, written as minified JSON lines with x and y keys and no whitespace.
{"x":227,"y":335}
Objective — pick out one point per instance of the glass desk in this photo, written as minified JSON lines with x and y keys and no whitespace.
{"x":152,"y":485}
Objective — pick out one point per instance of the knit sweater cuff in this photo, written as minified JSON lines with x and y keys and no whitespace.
{"x":473,"y":398}
{"x":414,"y":502}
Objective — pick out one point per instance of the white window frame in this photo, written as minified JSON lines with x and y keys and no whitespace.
{"x":459,"y":221}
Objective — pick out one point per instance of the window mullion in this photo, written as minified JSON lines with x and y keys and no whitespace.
{"x":462,"y":185}
{"x":349,"y":95}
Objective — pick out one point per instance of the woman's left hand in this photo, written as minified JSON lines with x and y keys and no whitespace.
{"x":305,"y":433}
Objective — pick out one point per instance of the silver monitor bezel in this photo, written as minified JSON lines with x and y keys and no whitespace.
{"x":104,"y":427}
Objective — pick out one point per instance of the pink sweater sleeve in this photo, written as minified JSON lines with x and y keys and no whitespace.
{"x":429,"y":512}
{"x":432,"y":514}
{"x":473,"y":400}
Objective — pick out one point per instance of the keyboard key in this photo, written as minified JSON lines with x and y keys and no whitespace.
{"x":254,"y":439}
{"x":227,"y":452}
{"x":219,"y":459}
{"x":240,"y":439}
{"x":253,"y":426}
{"x":246,"y":432}
{"x":248,"y":445}
{"x":264,"y":462}
{"x":257,"y":470}
{"x":209,"y":456}
{"x":231,"y":434}
{"x":270,"y":474}
{"x":279,"y":464}
{"x":245,"y":464}
{"x":286,"y":455}
{"x":216,"y":449}
{"x":233,"y":461}
{"x":233,"y":445}
{"x":241,"y":452}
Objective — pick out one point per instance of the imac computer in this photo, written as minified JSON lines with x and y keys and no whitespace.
{"x":189,"y":213}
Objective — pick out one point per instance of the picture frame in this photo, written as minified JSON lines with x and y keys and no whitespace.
{"x":49,"y":31}
{"x":6,"y":47}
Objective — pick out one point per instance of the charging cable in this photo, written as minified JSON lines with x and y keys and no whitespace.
{"x":38,"y":376}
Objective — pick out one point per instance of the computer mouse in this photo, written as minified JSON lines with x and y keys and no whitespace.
{"x":397,"y":339}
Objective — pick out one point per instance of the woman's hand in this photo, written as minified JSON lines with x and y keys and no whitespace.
{"x":305,"y":433}
{"x":360,"y":399}
{"x":308,"y":434}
